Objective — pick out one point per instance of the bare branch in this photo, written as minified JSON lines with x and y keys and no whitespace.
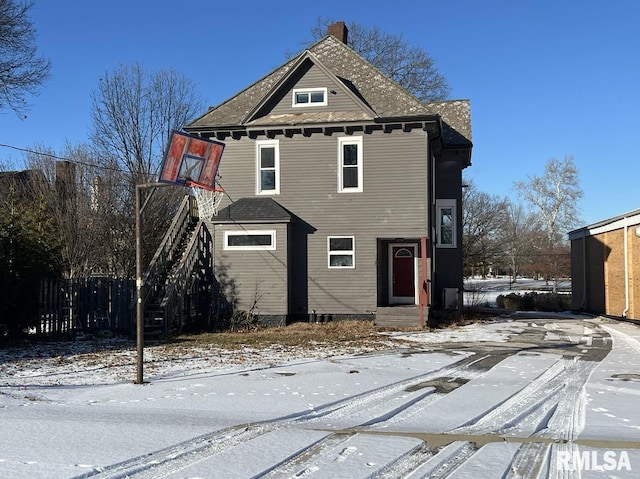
{"x":411,"y":67}
{"x":134,"y":112}
{"x":22,"y":71}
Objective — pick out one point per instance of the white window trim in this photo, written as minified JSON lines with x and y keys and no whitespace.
{"x":440,"y":205}
{"x":352,"y":252}
{"x":309,"y":91}
{"x":276,"y":145}
{"x":270,"y":247}
{"x":416,"y":268}
{"x":350,"y":140}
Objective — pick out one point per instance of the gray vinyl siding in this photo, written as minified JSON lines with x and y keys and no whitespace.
{"x":316,"y":78}
{"x":247,"y":274}
{"x":392,"y":205}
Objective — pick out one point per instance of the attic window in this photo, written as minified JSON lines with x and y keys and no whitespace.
{"x":309,"y":97}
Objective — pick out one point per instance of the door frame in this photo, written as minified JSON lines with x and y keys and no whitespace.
{"x":403,"y":299}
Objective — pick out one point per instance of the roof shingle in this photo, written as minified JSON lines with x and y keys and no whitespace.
{"x":384,"y":96}
{"x":244,"y":210}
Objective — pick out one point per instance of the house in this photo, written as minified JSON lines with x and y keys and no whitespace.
{"x":343,"y":192}
{"x":605,"y":266}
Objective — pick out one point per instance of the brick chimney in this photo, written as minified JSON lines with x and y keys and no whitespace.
{"x":339,"y":30}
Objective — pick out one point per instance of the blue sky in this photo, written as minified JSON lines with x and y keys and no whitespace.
{"x":545,"y":78}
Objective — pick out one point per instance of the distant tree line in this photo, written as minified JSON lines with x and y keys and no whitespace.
{"x":528,"y":238}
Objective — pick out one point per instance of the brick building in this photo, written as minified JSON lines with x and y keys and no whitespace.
{"x":605,"y":266}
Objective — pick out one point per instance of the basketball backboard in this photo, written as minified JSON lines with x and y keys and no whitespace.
{"x":191,"y":161}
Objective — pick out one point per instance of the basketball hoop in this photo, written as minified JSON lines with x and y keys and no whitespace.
{"x":208,"y":201}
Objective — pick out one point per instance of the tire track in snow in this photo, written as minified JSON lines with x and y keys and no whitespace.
{"x":369,"y":408}
{"x":568,"y":419}
{"x":551,"y":406}
{"x":517,"y":407}
{"x":625,"y":338}
{"x":354,"y":456}
{"x":531,"y":462}
{"x":537,"y":408}
{"x":445,"y":462}
{"x":381,"y":404}
{"x":174,"y":458}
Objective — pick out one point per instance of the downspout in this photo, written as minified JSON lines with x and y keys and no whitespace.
{"x":626,"y":268}
{"x":424,"y":295}
{"x":583,"y":305}
{"x":431,"y":240}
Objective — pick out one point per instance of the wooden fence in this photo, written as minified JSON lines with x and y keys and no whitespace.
{"x":90,"y":304}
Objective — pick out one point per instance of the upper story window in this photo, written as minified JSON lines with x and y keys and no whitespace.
{"x":446,"y":223}
{"x":267,"y":167}
{"x":309,"y":97}
{"x":350,"y":164}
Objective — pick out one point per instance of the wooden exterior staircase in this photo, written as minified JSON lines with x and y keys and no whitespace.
{"x":180,"y":271}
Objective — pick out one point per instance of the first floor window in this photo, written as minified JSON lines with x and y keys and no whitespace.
{"x":250,"y":240}
{"x":268,"y":167}
{"x":350,"y":164}
{"x":446,"y":223}
{"x":342,"y":251}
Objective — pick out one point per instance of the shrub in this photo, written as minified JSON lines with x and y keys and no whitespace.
{"x":535,"y":301}
{"x":553,"y":302}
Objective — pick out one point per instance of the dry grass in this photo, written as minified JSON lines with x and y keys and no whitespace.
{"x":298,"y":334}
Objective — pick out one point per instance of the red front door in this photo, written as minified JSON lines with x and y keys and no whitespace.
{"x":403,"y":274}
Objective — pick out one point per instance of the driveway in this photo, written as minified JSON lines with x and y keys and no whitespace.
{"x":527,"y":397}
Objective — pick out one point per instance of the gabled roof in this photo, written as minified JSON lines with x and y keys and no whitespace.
{"x":253,"y":210}
{"x":378,"y":94}
{"x":363,"y":111}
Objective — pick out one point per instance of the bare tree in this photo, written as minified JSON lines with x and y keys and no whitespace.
{"x":554,"y":197}
{"x":134,"y":112}
{"x":22,"y":71}
{"x":409,"y":66}
{"x":483,"y":217}
{"x":520,"y":235}
{"x":68,"y":192}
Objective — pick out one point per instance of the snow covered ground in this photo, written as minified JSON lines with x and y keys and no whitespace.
{"x":484,"y":291}
{"x":507,"y":398}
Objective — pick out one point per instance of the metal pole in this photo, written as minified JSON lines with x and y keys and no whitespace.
{"x":139,"y":304}
{"x":139,"y":281}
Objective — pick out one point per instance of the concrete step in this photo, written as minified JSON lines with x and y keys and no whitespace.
{"x":400,"y":316}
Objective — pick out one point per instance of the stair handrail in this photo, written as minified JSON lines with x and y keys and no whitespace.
{"x":159,"y":263}
{"x":197,"y":249}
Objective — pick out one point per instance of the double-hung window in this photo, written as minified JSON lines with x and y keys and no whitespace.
{"x":341,"y":251}
{"x":267,"y":167}
{"x":309,"y":97}
{"x":350,"y":164}
{"x":446,"y":223}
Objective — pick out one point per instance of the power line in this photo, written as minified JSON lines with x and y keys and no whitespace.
{"x":55,"y":157}
{"x":77,"y":162}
